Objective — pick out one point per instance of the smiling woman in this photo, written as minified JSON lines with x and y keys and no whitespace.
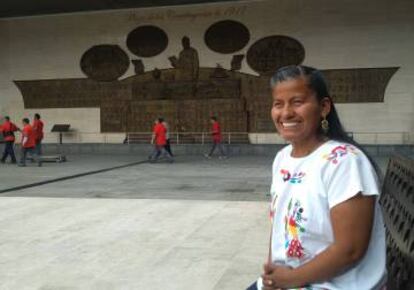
{"x":327,"y":229}
{"x":297,"y":114}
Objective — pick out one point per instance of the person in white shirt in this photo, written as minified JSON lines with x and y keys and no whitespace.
{"x":327,"y":228}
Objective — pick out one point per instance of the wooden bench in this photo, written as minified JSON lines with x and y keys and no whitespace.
{"x":397,"y":201}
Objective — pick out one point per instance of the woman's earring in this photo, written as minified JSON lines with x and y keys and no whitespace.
{"x":325,"y":125}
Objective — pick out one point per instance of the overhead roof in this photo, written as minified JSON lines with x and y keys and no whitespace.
{"x":17,"y":8}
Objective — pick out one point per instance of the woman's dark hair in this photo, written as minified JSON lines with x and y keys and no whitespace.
{"x":317,"y":83}
{"x":37,"y":116}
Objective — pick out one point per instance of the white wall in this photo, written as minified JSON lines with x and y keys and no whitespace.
{"x":5,"y":85}
{"x":335,"y":34}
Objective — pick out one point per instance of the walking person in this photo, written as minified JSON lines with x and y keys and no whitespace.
{"x":159,"y":140}
{"x":216,"y":138}
{"x":38,"y":130}
{"x":167,"y":136}
{"x":28,"y":144}
{"x":8,"y":128}
{"x":327,"y":227}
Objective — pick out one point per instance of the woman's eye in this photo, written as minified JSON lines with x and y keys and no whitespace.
{"x":277,"y":104}
{"x":298,"y":102}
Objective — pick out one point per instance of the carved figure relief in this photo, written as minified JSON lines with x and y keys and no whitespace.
{"x":187,"y":63}
{"x":236,"y":62}
{"x":187,"y":94}
{"x":138,"y":66}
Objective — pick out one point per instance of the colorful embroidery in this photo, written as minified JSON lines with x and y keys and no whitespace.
{"x":295,"y":178}
{"x":293,"y":227}
{"x":286,"y":174}
{"x":338,"y":152}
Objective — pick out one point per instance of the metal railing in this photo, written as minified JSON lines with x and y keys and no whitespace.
{"x":190,"y":137}
{"x":74,"y":136}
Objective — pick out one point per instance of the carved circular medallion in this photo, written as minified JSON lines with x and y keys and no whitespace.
{"x":268,"y":54}
{"x":147,"y":41}
{"x":227,"y":36}
{"x":104,"y":62}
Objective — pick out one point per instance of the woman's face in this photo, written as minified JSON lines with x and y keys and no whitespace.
{"x":296,"y":112}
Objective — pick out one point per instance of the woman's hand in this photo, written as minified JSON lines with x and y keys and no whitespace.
{"x":276,"y":277}
{"x":352,"y":225}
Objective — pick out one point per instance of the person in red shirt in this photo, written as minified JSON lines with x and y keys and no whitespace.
{"x":8,"y":129}
{"x":159,"y":139}
{"x":38,"y":129}
{"x":216,"y":136}
{"x":28,"y":143}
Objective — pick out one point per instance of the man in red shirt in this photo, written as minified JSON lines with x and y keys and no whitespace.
{"x":216,"y":136}
{"x":8,"y":129}
{"x":159,"y":139}
{"x":38,"y":129}
{"x":28,"y":143}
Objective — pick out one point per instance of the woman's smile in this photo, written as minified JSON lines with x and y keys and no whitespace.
{"x":289,"y":125}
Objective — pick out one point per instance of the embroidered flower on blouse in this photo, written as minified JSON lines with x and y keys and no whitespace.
{"x":293,"y":228}
{"x":295,"y":178}
{"x":339,"y":152}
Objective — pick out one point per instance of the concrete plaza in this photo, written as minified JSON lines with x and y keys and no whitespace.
{"x":115,"y":221}
{"x":194,"y":224}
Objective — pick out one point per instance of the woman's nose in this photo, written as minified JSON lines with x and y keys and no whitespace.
{"x":287,"y":111}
